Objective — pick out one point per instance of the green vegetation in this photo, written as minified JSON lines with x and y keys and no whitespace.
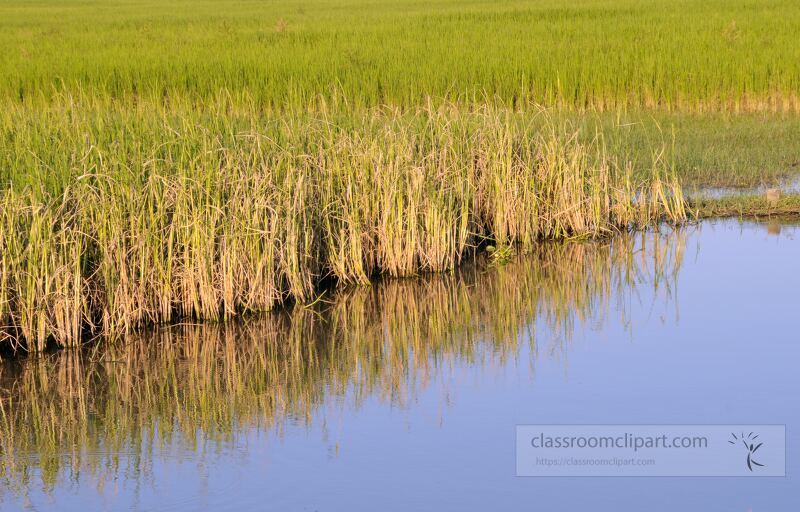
{"x":691,"y":71}
{"x":44,"y":147}
{"x":602,"y":54}
{"x":706,"y":150}
{"x":746,"y":205}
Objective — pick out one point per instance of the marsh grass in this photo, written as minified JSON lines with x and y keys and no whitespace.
{"x":201,"y":218}
{"x":110,"y":408}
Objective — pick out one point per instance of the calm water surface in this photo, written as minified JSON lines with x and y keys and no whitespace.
{"x":405,"y":395}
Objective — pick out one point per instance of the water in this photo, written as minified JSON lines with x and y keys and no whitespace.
{"x":405,"y":395}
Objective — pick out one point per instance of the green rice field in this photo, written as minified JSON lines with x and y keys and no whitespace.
{"x":587,"y":54}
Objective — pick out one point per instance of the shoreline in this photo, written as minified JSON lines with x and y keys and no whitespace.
{"x":742,"y":207}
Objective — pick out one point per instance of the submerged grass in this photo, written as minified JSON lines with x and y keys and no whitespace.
{"x":205,"y":219}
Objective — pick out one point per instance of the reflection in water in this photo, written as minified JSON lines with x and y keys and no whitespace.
{"x":108,"y":411}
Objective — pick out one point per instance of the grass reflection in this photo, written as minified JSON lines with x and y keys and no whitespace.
{"x":109,"y":409}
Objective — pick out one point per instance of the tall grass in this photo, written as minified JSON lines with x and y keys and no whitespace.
{"x":86,"y":412}
{"x":205,"y":221}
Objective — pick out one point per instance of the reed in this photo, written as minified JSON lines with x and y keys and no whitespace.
{"x":87,"y":413}
{"x":209,"y":222}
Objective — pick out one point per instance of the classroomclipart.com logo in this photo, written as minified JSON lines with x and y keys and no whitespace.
{"x":733,"y":450}
{"x":749,"y":441}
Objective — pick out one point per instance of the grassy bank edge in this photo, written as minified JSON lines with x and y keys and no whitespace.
{"x":745,"y":206}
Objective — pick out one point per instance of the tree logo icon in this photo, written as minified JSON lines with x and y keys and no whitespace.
{"x":749,"y":442}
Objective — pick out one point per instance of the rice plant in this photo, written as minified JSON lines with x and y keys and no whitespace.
{"x":209,"y":221}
